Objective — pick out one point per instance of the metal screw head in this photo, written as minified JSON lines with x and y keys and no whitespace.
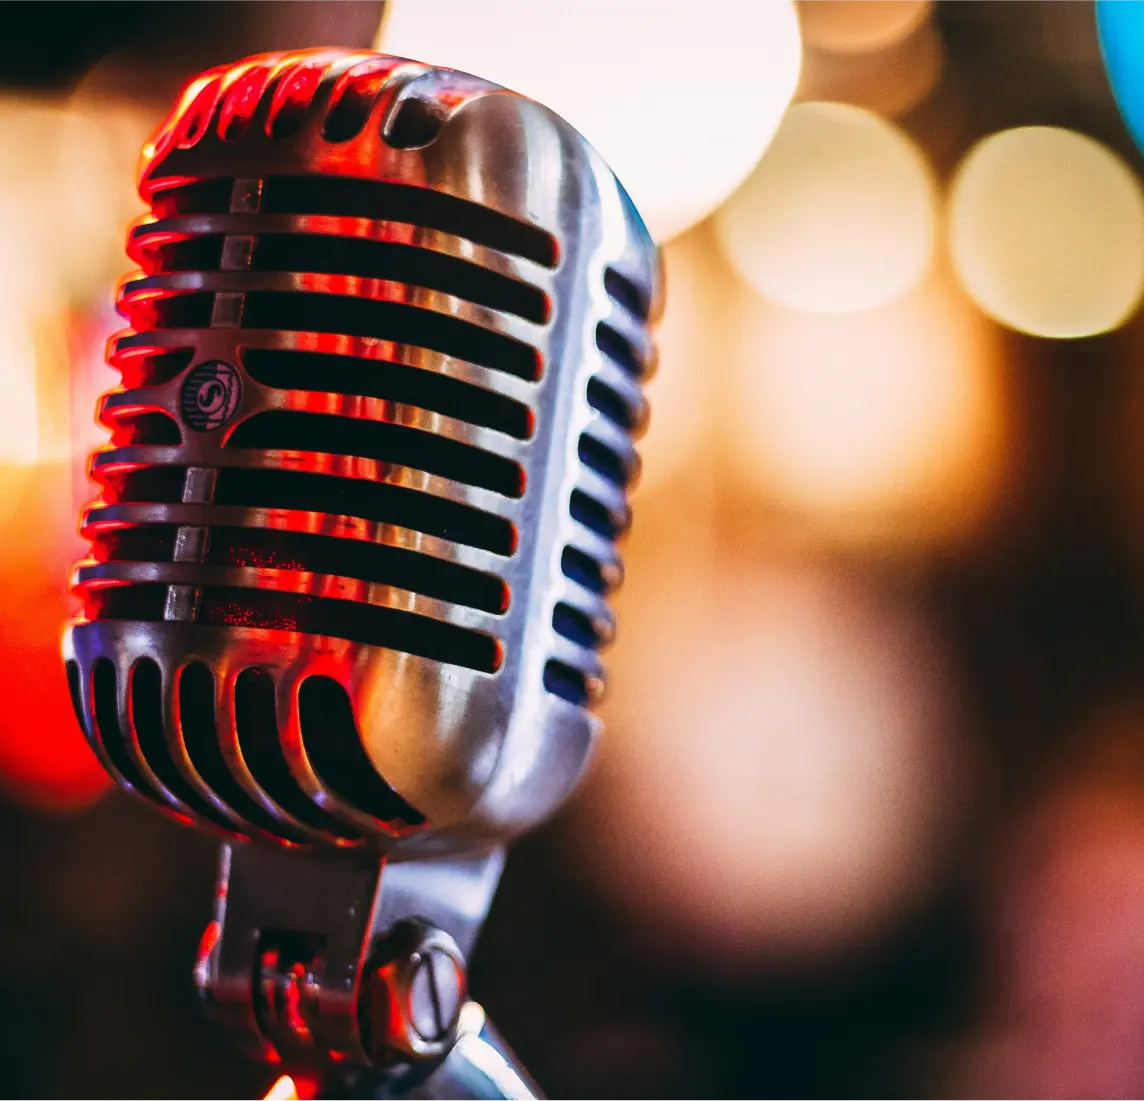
{"x":435,"y":994}
{"x":416,"y":996}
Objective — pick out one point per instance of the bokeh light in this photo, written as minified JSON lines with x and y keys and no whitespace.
{"x":890,"y":81}
{"x":1047,"y":232}
{"x":680,"y":100}
{"x":841,"y":26}
{"x":63,"y":220}
{"x":781,"y":741}
{"x":838,"y":216}
{"x":882,"y":427}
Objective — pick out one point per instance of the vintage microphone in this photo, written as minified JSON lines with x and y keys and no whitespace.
{"x":357,"y":526}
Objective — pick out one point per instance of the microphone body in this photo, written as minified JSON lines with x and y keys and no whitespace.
{"x":357,"y":520}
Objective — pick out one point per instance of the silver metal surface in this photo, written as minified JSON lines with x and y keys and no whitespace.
{"x":480,"y":1064}
{"x":288,"y":963}
{"x":376,"y":430}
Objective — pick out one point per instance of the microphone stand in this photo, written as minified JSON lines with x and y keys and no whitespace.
{"x":353,"y":968}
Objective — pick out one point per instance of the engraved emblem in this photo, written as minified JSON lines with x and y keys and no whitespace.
{"x":210,"y":396}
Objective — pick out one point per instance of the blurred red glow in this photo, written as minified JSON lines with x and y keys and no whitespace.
{"x":1065,"y":914}
{"x":44,"y":759}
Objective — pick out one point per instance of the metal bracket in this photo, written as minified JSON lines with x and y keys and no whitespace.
{"x":344,"y":958}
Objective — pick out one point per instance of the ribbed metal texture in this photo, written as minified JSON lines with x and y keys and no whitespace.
{"x":369,"y":461}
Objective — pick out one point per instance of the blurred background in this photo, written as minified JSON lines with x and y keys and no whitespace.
{"x":868,"y":819}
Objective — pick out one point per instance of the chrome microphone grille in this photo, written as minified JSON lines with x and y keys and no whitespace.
{"x":369,"y":461}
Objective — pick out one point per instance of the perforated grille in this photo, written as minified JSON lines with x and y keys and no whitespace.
{"x":606,"y":449}
{"x":338,"y":434}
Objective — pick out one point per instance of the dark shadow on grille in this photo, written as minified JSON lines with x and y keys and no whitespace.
{"x":143,"y":429}
{"x":613,"y":344}
{"x":148,"y":543}
{"x":351,"y":110}
{"x":605,"y":400}
{"x":75,"y":690}
{"x":372,"y":378}
{"x":583,"y":569}
{"x":603,"y":460}
{"x":332,"y":742}
{"x":567,"y":683}
{"x":162,"y":485}
{"x":146,"y":687}
{"x":593,"y":515}
{"x":625,"y":293}
{"x":204,"y":197}
{"x":419,"y":206}
{"x":387,"y":443}
{"x":109,"y":733}
{"x":366,"y":561}
{"x":256,"y":723}
{"x":180,"y":311}
{"x":408,"y":508}
{"x":192,"y":254}
{"x":200,"y":736}
{"x":395,"y":321}
{"x":353,"y":621}
{"x":575,"y":626}
{"x":143,"y":602}
{"x":151,"y":370}
{"x":420,"y":267}
{"x":417,"y":122}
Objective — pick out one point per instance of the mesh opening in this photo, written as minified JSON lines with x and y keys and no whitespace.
{"x":200,"y":736}
{"x":146,"y":543}
{"x":366,"y":561}
{"x":388,"y":443}
{"x":567,"y":683}
{"x":401,"y":263}
{"x":349,"y":316}
{"x":203,"y":197}
{"x":613,"y":344}
{"x":146,"y":688}
{"x":152,"y":370}
{"x":110,"y":733}
{"x":390,"y":628}
{"x":593,"y":515}
{"x":376,"y":501}
{"x":143,"y":429}
{"x":603,"y":460}
{"x":625,"y":293}
{"x":330,"y":735}
{"x":583,"y":569}
{"x":152,"y":484}
{"x":425,"y":389}
{"x":256,"y":724}
{"x":419,"y":206}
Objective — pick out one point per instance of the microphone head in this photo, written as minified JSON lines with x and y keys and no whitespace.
{"x":357,"y":520}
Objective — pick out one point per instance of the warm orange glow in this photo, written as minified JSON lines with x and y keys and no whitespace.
{"x":783,"y":741}
{"x":283,"y":1090}
{"x":844,"y":27}
{"x":19,"y":409}
{"x":840,"y":214}
{"x":886,"y":426}
{"x":890,"y":81}
{"x":691,"y":340}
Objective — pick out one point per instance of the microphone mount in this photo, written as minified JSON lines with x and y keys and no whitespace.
{"x":337,"y":962}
